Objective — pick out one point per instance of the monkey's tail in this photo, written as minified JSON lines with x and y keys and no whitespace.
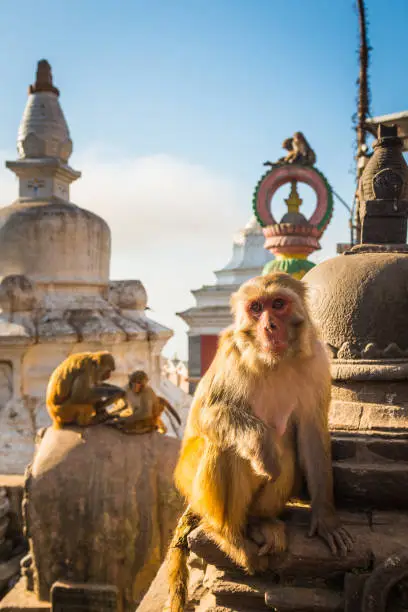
{"x":177,"y":569}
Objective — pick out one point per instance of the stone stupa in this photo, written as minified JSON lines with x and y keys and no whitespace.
{"x":55,"y":294}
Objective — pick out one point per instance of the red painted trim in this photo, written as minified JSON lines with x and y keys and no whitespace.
{"x":208,"y":347}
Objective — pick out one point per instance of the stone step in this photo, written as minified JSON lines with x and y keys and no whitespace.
{"x":305,"y":556}
{"x":371,"y":485}
{"x":374,"y":447}
{"x":292,"y":599}
{"x":258,"y":595}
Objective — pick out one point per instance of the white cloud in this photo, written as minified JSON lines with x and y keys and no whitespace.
{"x":172,"y":223}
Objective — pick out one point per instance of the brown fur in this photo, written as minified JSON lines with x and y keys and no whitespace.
{"x":146,"y":407}
{"x":75,"y":389}
{"x":257,"y":414}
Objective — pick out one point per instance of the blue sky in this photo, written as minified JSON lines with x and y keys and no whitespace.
{"x":174,"y":105}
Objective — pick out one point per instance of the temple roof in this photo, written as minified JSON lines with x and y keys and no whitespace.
{"x":399,"y":119}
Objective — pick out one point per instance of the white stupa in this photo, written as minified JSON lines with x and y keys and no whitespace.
{"x":55,"y":294}
{"x":212,"y":311}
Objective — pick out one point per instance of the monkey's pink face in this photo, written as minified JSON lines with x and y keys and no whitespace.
{"x":274,"y":317}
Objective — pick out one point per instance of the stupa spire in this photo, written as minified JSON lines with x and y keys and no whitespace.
{"x":43,"y":81}
{"x":44,"y":144}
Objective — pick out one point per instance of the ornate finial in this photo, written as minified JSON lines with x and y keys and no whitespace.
{"x":383,"y":191}
{"x":43,"y":80}
{"x":293,"y":202}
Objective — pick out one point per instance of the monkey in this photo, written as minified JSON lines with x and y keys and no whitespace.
{"x":146,"y":407}
{"x":300,"y":152}
{"x":259,"y":419}
{"x":77,"y":392}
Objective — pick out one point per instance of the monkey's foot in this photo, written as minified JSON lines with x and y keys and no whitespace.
{"x":269,"y":535}
{"x":252,"y":560}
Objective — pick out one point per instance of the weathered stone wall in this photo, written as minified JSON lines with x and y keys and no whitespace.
{"x":12,"y":543}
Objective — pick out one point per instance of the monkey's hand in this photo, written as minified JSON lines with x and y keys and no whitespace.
{"x":327,"y":525}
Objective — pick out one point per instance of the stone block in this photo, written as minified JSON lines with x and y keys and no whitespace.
{"x":301,"y":599}
{"x":395,"y":450}
{"x":369,"y":485}
{"x":75,"y":597}
{"x":243,"y":593}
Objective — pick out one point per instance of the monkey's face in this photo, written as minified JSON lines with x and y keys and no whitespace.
{"x":270,"y":318}
{"x":276,"y":319}
{"x":138,"y":380}
{"x":105,"y":364}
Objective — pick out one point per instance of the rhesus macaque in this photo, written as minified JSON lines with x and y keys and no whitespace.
{"x":300,"y":152}
{"x":76,"y":391}
{"x":145,"y":407}
{"x":259,"y":413}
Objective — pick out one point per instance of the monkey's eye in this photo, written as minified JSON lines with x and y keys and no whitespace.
{"x":256,"y":307}
{"x":278,"y":304}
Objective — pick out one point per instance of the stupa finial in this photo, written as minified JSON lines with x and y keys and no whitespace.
{"x":292,"y":239}
{"x":383,"y":191}
{"x":43,"y":81}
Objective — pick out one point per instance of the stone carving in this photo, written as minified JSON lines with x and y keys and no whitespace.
{"x":128,"y":295}
{"x":17,"y":294}
{"x":300,"y":152}
{"x":385,"y":576}
{"x":387,"y":184}
{"x":386,"y":174}
{"x":349,"y":350}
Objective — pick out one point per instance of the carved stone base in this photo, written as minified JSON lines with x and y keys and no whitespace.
{"x":305,"y":579}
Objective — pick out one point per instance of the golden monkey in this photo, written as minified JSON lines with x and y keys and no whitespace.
{"x":76,"y":391}
{"x":259,"y":413}
{"x":146,"y":407}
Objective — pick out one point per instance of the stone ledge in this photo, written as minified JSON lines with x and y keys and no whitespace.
{"x":19,"y":600}
{"x":305,"y":556}
{"x":371,"y":485}
{"x":306,"y":578}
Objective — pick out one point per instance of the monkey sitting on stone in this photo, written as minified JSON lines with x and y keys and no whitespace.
{"x":258,"y":419}
{"x":77,"y":393}
{"x":300,"y":152}
{"x":144,"y":405}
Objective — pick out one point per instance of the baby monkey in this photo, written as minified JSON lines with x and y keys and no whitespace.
{"x":145,"y":407}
